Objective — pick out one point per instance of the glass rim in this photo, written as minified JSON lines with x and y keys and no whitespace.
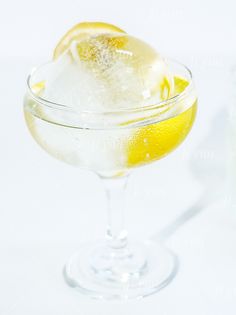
{"x":54,"y":105}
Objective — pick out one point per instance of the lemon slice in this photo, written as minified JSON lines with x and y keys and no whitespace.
{"x":82,"y":31}
{"x":152,"y":142}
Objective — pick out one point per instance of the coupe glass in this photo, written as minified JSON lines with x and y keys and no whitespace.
{"x":111,"y":144}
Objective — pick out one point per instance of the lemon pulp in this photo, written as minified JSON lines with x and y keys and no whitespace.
{"x":82,"y":31}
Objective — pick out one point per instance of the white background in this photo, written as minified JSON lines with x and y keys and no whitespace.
{"x":47,"y":208}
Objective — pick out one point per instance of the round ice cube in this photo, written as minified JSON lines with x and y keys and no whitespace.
{"x":109,"y":72}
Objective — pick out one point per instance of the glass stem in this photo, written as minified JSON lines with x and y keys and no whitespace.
{"x":116,"y":233}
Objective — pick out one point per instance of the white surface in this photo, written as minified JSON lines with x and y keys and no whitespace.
{"x":48,"y":208}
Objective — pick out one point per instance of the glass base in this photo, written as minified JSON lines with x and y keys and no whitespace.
{"x":139,"y":270}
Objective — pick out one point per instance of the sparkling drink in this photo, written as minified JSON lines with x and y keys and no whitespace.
{"x":109,"y":102}
{"x":110,"y":152}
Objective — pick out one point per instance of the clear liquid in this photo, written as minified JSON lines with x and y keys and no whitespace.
{"x":110,"y":152}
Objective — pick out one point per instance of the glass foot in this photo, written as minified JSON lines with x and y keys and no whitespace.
{"x":139,"y":270}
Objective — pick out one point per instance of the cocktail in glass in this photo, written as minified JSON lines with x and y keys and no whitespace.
{"x":112,"y":144}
